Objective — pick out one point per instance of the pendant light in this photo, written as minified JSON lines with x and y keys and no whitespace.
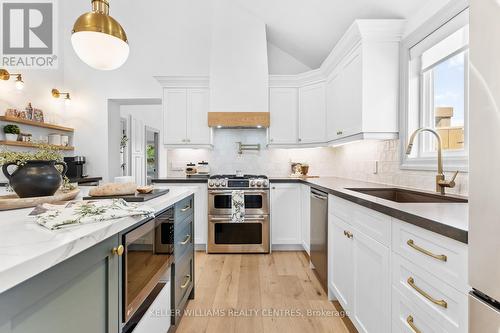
{"x":98,"y":39}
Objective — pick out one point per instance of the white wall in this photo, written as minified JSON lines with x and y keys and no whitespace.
{"x":282,"y":63}
{"x":166,"y":38}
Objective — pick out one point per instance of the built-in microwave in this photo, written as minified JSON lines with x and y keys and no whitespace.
{"x":149,"y":252}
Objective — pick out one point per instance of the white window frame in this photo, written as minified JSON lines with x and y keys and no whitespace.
{"x":410,"y":105}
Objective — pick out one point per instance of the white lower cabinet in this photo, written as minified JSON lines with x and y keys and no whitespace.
{"x":378,"y":263}
{"x":305,"y":193}
{"x":360,"y":276}
{"x":285,"y":214}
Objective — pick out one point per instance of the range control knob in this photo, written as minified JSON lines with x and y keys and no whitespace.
{"x":211,"y":183}
{"x":266,"y":183}
{"x":217,"y":183}
{"x":223,"y":183}
{"x":252,"y":182}
{"x":259,"y":183}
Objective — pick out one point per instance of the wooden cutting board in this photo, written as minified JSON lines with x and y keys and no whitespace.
{"x":138,"y":197}
{"x":12,"y":201}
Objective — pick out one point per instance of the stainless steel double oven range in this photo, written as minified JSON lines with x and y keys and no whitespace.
{"x":250,"y":236}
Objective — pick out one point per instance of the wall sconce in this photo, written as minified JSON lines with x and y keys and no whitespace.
{"x":57,"y":94}
{"x":5,"y":75}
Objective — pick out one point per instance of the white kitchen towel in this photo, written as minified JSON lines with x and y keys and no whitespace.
{"x":238,"y":206}
{"x":84,"y":212}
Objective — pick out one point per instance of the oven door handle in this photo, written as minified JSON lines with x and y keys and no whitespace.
{"x":219,"y":219}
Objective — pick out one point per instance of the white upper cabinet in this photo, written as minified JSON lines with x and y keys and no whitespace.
{"x":283,"y":106}
{"x":312,"y":114}
{"x":185,"y":111}
{"x":174,"y":116}
{"x":352,"y":96}
{"x":198,"y":131}
{"x":186,"y":116}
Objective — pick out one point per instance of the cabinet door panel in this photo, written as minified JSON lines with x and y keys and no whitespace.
{"x":305,"y":191}
{"x":198,"y":131}
{"x":351,"y":97}
{"x":284,"y":115}
{"x":333,"y":105}
{"x":312,"y":114}
{"x":175,"y":116}
{"x":340,"y":261}
{"x":371,"y":284}
{"x":285,"y":214}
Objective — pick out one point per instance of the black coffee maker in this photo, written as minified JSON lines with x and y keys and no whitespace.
{"x":76,"y":167}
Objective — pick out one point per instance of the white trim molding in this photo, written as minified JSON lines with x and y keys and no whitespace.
{"x":183,"y":81}
{"x":450,"y":162}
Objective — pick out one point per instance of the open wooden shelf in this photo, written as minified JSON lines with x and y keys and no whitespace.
{"x":32,"y":145}
{"x":36,"y":123}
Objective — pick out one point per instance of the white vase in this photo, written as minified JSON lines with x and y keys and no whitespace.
{"x":11,"y":137}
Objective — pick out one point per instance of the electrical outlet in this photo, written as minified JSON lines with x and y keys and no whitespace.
{"x":375,"y":167}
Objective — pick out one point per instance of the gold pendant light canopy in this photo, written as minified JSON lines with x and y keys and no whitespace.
{"x":98,"y":39}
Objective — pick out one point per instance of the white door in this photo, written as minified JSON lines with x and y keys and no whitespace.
{"x":283,"y":106}
{"x":175,"y":116}
{"x":138,"y":150}
{"x":340,"y":278}
{"x":285,"y":214}
{"x":312,"y":114}
{"x":198,"y":131}
{"x":372,"y":283}
{"x":305,"y":194}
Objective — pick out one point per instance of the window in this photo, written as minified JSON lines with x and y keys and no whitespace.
{"x":436,"y":94}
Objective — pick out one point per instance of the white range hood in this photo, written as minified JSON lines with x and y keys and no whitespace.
{"x":239,"y":71}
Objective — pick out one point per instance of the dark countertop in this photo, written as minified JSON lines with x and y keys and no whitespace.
{"x":448,"y":219}
{"x":85,"y":179}
{"x":186,"y":179}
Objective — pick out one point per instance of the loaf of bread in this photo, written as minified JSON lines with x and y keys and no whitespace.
{"x":113,"y":189}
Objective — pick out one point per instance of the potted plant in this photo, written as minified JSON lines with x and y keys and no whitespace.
{"x":37,"y":174}
{"x":11,"y":132}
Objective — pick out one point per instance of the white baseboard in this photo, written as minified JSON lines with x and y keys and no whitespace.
{"x":287,"y":247}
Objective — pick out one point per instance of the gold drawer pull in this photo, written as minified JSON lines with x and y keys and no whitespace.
{"x":185,"y":284}
{"x":412,"y":284}
{"x":118,"y":250}
{"x":441,"y":257}
{"x":185,"y":209}
{"x":410,"y":322}
{"x":185,"y":241}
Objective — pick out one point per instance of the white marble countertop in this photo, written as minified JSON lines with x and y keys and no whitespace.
{"x":27,"y":248}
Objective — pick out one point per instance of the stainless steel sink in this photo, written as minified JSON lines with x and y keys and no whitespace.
{"x":408,"y":196}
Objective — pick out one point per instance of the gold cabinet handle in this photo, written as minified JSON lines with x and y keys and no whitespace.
{"x":185,"y":209}
{"x":411,"y":283}
{"x":185,"y":284}
{"x":410,"y":322}
{"x":339,"y":132}
{"x":186,"y":240}
{"x":412,"y":244}
{"x":118,"y":250}
{"x":348,"y":234}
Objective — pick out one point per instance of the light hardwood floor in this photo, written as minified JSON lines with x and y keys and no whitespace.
{"x":237,"y":293}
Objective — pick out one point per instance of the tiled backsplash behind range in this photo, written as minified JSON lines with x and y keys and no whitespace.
{"x":354,"y":161}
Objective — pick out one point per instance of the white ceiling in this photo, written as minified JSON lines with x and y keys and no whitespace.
{"x":308,"y":29}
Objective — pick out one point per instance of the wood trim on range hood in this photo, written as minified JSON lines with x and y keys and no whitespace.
{"x":239,"y":119}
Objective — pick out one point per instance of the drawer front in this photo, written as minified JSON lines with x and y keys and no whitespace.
{"x":184,"y":277}
{"x":443,"y":257}
{"x":373,"y":224}
{"x":184,"y":208}
{"x":340,"y":208}
{"x":408,"y":318}
{"x":435,"y":297}
{"x":183,"y":238}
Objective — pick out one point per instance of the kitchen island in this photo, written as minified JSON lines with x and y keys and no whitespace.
{"x":69,"y":279}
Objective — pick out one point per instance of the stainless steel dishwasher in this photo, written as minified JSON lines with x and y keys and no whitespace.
{"x":319,"y":235}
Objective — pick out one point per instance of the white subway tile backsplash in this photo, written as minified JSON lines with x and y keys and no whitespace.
{"x":354,"y":161}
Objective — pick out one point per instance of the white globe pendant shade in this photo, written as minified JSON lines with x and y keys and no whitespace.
{"x":98,"y":39}
{"x":100,"y":51}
